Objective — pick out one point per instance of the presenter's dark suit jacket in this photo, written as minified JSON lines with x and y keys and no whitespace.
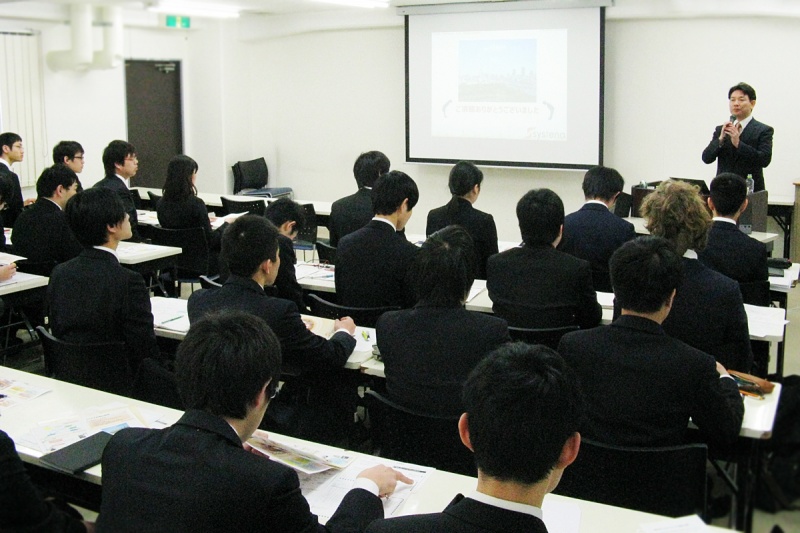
{"x":42,"y":234}
{"x":429,"y":351}
{"x":92,"y":298}
{"x":478,"y":224}
{"x":116,"y":184}
{"x":593,"y":234}
{"x":196,"y":476}
{"x":372,"y":267}
{"x":641,"y":386}
{"x":538,"y":286}
{"x":754,"y":152}
{"x":22,"y":508}
{"x":299,"y":346}
{"x":15,"y":203}
{"x":708,"y":314}
{"x":349,"y":214}
{"x":191,"y":213}
{"x":729,"y":252}
{"x":463,"y":515}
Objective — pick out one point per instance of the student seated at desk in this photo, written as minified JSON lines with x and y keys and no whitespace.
{"x":708,"y":312}
{"x":288,"y":217}
{"x":121,"y":164}
{"x":641,"y":385}
{"x":522,"y":408}
{"x":199,"y":475}
{"x":92,"y":298}
{"x":428,"y":351}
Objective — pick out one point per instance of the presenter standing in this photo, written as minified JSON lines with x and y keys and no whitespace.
{"x":742,"y":145}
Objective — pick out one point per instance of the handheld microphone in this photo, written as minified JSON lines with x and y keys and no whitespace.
{"x":733,"y":119}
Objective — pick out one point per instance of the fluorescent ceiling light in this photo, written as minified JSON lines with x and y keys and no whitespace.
{"x":358,"y":3}
{"x":194,"y":9}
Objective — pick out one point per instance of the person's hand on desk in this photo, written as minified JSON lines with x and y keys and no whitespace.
{"x":28,"y":202}
{"x":7,"y":271}
{"x":345,"y":323}
{"x":386,"y":478}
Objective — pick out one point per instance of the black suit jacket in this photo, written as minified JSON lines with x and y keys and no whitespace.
{"x":730,"y":252}
{"x":478,"y":224}
{"x":196,"y":476}
{"x":42,"y":234}
{"x":539,"y":286}
{"x":754,"y":152}
{"x":593,"y":234}
{"x":15,"y":203}
{"x":349,"y":214}
{"x":92,"y":298}
{"x":372,"y":267}
{"x":708,"y":314}
{"x":463,"y":515}
{"x":22,"y":508}
{"x":286,"y":285}
{"x":641,"y":386}
{"x":191,"y":213}
{"x":114,"y":183}
{"x":429,"y":351}
{"x":299,"y":346}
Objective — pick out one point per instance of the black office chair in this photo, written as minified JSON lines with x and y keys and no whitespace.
{"x":307,"y":235}
{"x":195,"y":257}
{"x":254,"y":207}
{"x":407,"y":435}
{"x":137,"y":199}
{"x":669,"y":481}
{"x":326,"y":253}
{"x":622,"y":207}
{"x":548,"y":336}
{"x":154,"y":199}
{"x":103,"y":366}
{"x":363,"y":316}
{"x":156,"y":384}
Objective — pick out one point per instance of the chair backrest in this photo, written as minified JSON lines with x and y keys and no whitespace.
{"x":406,"y":435}
{"x":102,"y":366}
{"x":540,"y":317}
{"x":307,"y":235}
{"x":156,"y":384}
{"x":755,"y":292}
{"x":137,"y":198}
{"x":669,"y":481}
{"x":194,"y":256}
{"x":548,"y":336}
{"x":363,"y":316}
{"x":622,"y":207}
{"x":252,"y":174}
{"x":326,"y":253}
{"x":154,"y":199}
{"x":254,"y":207}
{"x":40,"y":268}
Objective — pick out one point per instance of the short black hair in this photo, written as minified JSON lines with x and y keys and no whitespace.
{"x":285,"y":210}
{"x":464,"y":176}
{"x":540,"y":213}
{"x":644,"y":272}
{"x":9,"y":139}
{"x":224,"y":362}
{"x":523,"y":403}
{"x":52,"y":177}
{"x":602,"y":182}
{"x":178,"y":186}
{"x":369,"y":166}
{"x":390,"y":190}
{"x":728,"y":192}
{"x":68,"y":149}
{"x":745,"y":88}
{"x":444,"y":268}
{"x":247,"y":242}
{"x":90,"y":212}
{"x":115,"y":154}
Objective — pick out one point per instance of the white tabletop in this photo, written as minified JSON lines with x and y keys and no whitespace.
{"x":638,"y":226}
{"x":22,"y":281}
{"x":787,"y":281}
{"x":214,"y":200}
{"x":133,"y":253}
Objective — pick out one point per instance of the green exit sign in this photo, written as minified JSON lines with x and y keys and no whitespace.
{"x":176,"y":21}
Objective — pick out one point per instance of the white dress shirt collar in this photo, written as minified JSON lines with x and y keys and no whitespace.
{"x":386,"y":221}
{"x":49,"y":200}
{"x":596,"y":202}
{"x":507,"y":505}
{"x":127,"y":182}
{"x":746,"y":121}
{"x":690,"y":254}
{"x":6,"y":163}
{"x":724,"y":219}
{"x":109,"y":250}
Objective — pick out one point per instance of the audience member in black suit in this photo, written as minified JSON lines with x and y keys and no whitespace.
{"x":288,"y":217}
{"x":354,"y":212}
{"x":22,"y":508}
{"x":180,"y":208}
{"x":372,"y":263}
{"x":729,"y":251}
{"x":641,"y":385}
{"x":708,"y":312}
{"x":199,"y":474}
{"x":42,"y":234}
{"x":121,"y":164}
{"x":429,"y":351}
{"x":523,"y":410}
{"x":465,"y":186}
{"x":92,"y":298}
{"x":6,"y":190}
{"x":12,"y":152}
{"x":71,"y":154}
{"x":535,"y":285}
{"x":594,"y":232}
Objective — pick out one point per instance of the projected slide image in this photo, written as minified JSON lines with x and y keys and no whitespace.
{"x":497,"y":71}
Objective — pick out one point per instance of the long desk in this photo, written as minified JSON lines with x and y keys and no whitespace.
{"x":781,"y":209}
{"x":766,"y":238}
{"x":563,"y":515}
